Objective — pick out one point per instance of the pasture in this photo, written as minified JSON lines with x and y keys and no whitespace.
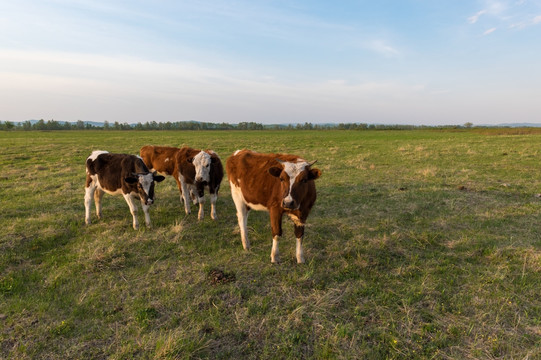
{"x":421,"y":245}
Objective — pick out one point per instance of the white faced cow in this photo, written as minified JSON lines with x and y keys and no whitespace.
{"x":119,"y":174}
{"x":277,"y":183}
{"x":192,"y":169}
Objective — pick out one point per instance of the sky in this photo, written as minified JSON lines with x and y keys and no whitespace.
{"x":418,"y":62}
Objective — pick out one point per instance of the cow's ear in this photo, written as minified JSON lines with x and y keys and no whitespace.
{"x":314,"y":174}
{"x":275,"y":171}
{"x":131,"y":180}
{"x":158,"y":178}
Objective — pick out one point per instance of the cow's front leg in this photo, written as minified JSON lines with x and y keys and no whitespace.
{"x":185,"y":194}
{"x":89,"y":194}
{"x":98,"y":195}
{"x":147,"y":215}
{"x":200,"y":191}
{"x":299,"y":234}
{"x":201,"y":213}
{"x":276,"y":227}
{"x":133,"y":210}
{"x":213,"y":198}
{"x":275,"y":252}
{"x":193,"y":195}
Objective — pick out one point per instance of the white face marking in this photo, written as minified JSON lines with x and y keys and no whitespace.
{"x":167,"y":159}
{"x":201,"y":162}
{"x":96,"y":153}
{"x":293,"y":170}
{"x":146,"y":182}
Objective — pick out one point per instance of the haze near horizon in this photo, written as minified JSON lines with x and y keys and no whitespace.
{"x":270,"y":62}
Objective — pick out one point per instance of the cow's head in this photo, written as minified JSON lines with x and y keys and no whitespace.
{"x":201,"y":162}
{"x":145,"y":185}
{"x":295,"y":178}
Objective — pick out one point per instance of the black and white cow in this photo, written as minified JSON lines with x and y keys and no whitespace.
{"x":197,"y":169}
{"x":119,"y":174}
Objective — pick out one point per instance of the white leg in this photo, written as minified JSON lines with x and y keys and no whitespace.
{"x":213,"y":198}
{"x":89,"y":194}
{"x":300,"y":253}
{"x":98,"y":195}
{"x":193,"y":192}
{"x":147,"y":215}
{"x":185,"y":194}
{"x":201,"y":214}
{"x":275,"y":252}
{"x":242,"y":215}
{"x":133,"y":210}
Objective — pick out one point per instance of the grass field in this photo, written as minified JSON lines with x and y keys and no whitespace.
{"x":421,"y":245}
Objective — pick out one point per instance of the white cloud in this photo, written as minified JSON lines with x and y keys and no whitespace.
{"x":489,"y":31}
{"x":524,"y":24}
{"x":67,"y":86}
{"x":473,"y":19}
{"x":382,"y":48}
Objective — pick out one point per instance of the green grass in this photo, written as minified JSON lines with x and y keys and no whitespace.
{"x":422,"y":245}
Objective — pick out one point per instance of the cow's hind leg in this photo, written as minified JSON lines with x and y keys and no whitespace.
{"x":242,"y":214}
{"x":185,"y":194}
{"x":179,"y":185}
{"x":133,"y":210}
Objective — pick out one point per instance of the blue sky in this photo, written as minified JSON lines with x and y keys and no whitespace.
{"x":431,"y":62}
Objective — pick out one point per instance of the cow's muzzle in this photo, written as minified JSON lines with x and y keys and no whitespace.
{"x":289,"y":204}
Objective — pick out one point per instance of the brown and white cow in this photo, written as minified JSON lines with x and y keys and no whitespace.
{"x":277,"y":183}
{"x":192,"y":169}
{"x":119,"y":174}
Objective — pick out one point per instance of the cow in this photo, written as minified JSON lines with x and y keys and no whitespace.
{"x":192,"y":169}
{"x":163,"y":160}
{"x":277,"y":183}
{"x":119,"y":174}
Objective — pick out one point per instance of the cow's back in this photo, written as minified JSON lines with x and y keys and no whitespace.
{"x":160,"y":158}
{"x":112,"y":169}
{"x":249,"y":171}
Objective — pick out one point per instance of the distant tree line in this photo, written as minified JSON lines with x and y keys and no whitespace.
{"x":196,"y":125}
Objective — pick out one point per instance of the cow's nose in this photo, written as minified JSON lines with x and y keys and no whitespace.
{"x":150,"y":201}
{"x":198,"y":178}
{"x":288,"y":204}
